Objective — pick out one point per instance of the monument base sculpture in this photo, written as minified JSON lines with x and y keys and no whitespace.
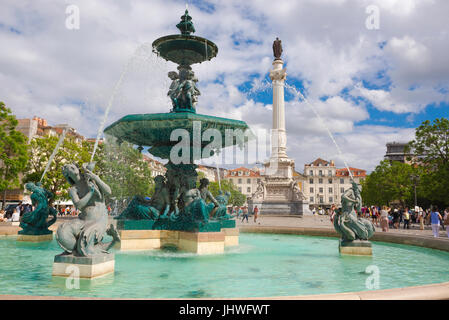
{"x":83,"y":267}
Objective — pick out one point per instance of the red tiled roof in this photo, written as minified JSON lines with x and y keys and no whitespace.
{"x":243,"y":169}
{"x":355,"y":172}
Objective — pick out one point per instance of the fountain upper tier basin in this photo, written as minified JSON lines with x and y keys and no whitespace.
{"x":154,"y":130}
{"x":185,"y":50}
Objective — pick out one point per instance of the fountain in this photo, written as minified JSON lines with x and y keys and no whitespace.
{"x":178,"y":213}
{"x":269,"y":262}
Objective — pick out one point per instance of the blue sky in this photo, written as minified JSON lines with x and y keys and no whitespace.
{"x":369,"y":86}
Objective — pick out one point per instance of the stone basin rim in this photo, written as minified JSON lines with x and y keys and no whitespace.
{"x":435,"y":291}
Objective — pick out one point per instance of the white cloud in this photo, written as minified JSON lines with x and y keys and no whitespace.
{"x":68,"y":76}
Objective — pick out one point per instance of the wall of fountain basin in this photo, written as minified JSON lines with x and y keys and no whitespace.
{"x":266,"y":262}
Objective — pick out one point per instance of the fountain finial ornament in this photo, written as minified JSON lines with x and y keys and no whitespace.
{"x":277,"y":49}
{"x":186,"y":25}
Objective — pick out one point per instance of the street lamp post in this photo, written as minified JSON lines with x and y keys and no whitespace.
{"x":415,"y":179}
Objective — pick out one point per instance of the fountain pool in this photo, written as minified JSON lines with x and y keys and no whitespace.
{"x":263,"y":265}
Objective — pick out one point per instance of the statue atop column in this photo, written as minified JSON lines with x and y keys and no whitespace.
{"x":277,"y":49}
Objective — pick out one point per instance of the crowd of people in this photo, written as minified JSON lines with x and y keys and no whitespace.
{"x":22,"y":208}
{"x":243,"y":213}
{"x":402,"y":217}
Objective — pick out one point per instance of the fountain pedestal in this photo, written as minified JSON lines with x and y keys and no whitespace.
{"x":356,"y":248}
{"x":83,"y":267}
{"x":211,"y":238}
{"x":35,"y":238}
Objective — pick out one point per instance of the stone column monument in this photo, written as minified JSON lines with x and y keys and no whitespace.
{"x":279,"y":193}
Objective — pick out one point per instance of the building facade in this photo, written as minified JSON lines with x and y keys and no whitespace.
{"x":244,"y":179}
{"x":324,"y":183}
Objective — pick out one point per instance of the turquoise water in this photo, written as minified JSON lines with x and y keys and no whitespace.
{"x":263,"y":265}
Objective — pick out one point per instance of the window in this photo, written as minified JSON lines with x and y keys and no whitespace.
{"x":330,"y":190}
{"x":331,"y":199}
{"x":329,"y":180}
{"x":240,"y":189}
{"x":311,"y":190}
{"x":248,"y":189}
{"x":321,"y":200}
{"x":311,"y":181}
{"x":321,"y":190}
{"x":240,"y":180}
{"x":311,"y":199}
{"x":311,"y":172}
{"x":258,"y":180}
{"x":342,"y":190}
{"x":248,"y":181}
{"x":320,"y":173}
{"x":329,"y":173}
{"x":342,"y":181}
{"x":320,"y":180}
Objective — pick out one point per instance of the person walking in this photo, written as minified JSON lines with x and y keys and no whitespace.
{"x":446,"y":220}
{"x":396,"y":218}
{"x":421,"y":218}
{"x":384,"y":218}
{"x":245,"y":215}
{"x":256,"y":214}
{"x":406,"y":216}
{"x":435,"y":218}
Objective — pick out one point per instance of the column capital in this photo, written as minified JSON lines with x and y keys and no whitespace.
{"x":280,"y":74}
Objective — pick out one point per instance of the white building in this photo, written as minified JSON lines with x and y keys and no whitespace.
{"x":244,"y":179}
{"x":324,"y":183}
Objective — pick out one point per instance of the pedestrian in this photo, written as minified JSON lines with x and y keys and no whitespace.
{"x":332,"y":213}
{"x":239,"y":212}
{"x":2,"y":216}
{"x":435,"y":218}
{"x":256,"y":214}
{"x":406,"y":216}
{"x":16,"y":215}
{"x":446,"y":220}
{"x":245,"y":215}
{"x":421,"y":218}
{"x":396,"y":218}
{"x":384,"y":218}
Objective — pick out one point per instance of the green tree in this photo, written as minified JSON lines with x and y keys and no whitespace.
{"x":124,"y":169}
{"x":69,"y":152}
{"x":13,"y":152}
{"x":431,"y":153}
{"x":237,"y":198}
{"x":390,"y":181}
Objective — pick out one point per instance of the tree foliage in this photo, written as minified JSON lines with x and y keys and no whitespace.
{"x":390,"y":181}
{"x":13,"y":151}
{"x":237,"y":198}
{"x":123,"y":168}
{"x":431,"y":150}
{"x":40,"y":151}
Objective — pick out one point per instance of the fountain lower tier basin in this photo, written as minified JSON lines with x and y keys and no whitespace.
{"x":263,"y":265}
{"x":157,"y":130}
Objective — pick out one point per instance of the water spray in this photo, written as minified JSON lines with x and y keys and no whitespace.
{"x":50,"y":160}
